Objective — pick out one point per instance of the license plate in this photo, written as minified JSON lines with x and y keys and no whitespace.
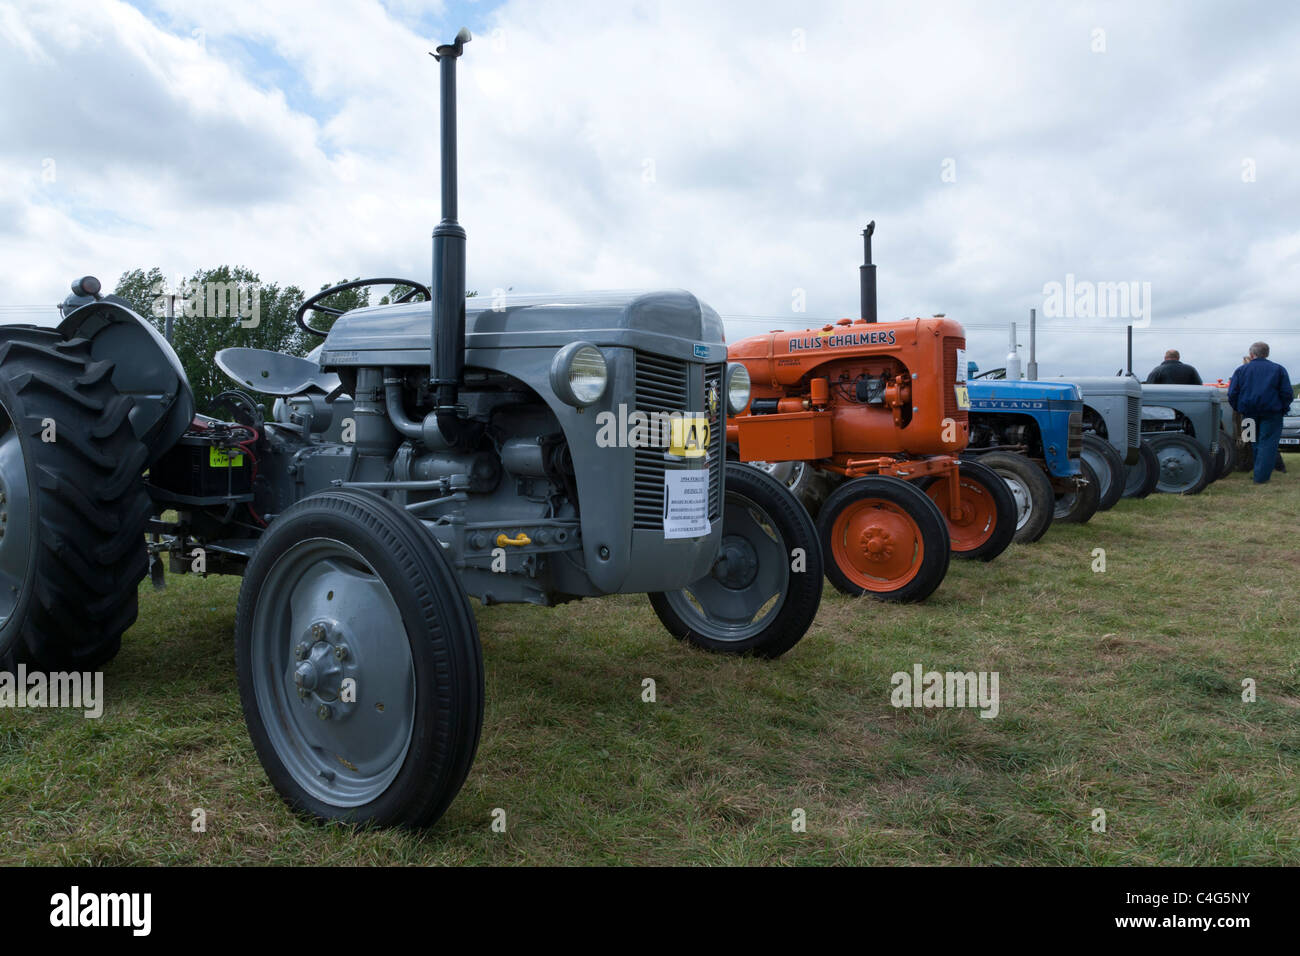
{"x":688,"y":436}
{"x":217,"y":458}
{"x":963,"y":397}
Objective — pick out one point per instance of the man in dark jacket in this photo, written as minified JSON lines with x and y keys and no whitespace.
{"x":1261,"y":390}
{"x":1173,"y":372}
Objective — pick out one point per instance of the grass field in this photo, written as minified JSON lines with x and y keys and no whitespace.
{"x":1120,"y":690}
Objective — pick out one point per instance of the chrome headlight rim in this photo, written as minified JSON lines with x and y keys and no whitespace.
{"x":563,"y":367}
{"x":737,"y":379}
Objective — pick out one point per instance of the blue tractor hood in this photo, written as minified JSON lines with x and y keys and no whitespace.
{"x":1010,"y":393}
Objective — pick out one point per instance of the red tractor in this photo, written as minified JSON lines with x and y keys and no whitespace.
{"x":881,"y":408}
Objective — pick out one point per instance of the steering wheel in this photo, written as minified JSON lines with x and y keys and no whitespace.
{"x":310,"y":305}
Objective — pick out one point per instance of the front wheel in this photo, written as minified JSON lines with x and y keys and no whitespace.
{"x":765,"y":587}
{"x":360,"y":671}
{"x":1140,"y":478}
{"x":1225,"y":457}
{"x":988,"y":511}
{"x":884,"y":537}
{"x":1185,"y":468}
{"x":1079,"y":503}
{"x":1109,"y":466}
{"x":1030,"y":489}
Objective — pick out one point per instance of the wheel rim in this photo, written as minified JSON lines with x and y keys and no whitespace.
{"x":1180,"y":468}
{"x":1065,"y":503}
{"x":979,"y":513}
{"x":1020,"y":492}
{"x":788,"y":473}
{"x":16,"y":519}
{"x":323,"y":617}
{"x":746,"y":587}
{"x":877,"y":545}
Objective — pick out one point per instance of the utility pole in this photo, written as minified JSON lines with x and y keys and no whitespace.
{"x":171,"y":317}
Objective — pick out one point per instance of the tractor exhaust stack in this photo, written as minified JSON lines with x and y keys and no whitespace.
{"x":867,"y":276}
{"x":447,"y":364}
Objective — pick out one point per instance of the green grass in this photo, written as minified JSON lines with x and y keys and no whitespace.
{"x":1120,"y":690}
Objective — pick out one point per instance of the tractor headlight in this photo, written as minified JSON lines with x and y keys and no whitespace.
{"x":579,"y":374}
{"x":737,"y":389}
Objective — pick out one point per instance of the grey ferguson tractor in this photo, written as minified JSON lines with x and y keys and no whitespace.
{"x":538,"y":450}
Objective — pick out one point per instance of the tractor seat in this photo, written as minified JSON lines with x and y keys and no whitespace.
{"x":274,"y":373}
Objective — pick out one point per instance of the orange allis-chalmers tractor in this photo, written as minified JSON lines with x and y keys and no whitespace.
{"x":882,"y":407}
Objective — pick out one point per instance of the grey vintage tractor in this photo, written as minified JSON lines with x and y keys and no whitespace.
{"x":1112,"y":410}
{"x":1182,"y":423}
{"x":536,"y":449}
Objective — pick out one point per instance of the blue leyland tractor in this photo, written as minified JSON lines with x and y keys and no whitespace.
{"x":1032,"y":434}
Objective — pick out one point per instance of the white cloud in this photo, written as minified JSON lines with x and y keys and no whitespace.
{"x":767,"y":158}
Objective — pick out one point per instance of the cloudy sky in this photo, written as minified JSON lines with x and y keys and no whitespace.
{"x":735,"y":149}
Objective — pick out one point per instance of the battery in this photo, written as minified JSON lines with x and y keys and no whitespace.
{"x":199,"y":467}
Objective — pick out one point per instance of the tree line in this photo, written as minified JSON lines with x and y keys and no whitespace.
{"x":225,"y":307}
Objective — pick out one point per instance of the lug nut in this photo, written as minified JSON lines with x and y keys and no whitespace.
{"x":324,"y":712}
{"x":341,"y":652}
{"x":318,"y":631}
{"x":302,"y":650}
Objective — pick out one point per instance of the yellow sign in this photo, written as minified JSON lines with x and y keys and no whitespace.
{"x":217,"y":458}
{"x":963,"y":397}
{"x":689,"y":437}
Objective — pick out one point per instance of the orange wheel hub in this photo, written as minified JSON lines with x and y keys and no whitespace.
{"x":877,"y":545}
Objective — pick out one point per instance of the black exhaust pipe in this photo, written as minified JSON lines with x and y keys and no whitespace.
{"x":447,"y":364}
{"x":867,"y":276}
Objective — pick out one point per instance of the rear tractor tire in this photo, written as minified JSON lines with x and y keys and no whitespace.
{"x":347,"y":586}
{"x":988,"y":511}
{"x":884,"y":537}
{"x":765,"y":586}
{"x":73,"y":506}
{"x":1030,"y":489}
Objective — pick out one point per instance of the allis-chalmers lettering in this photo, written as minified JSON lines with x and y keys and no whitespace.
{"x":842,"y":339}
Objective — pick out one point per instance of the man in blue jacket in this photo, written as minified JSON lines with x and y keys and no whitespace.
{"x":1261,"y":390}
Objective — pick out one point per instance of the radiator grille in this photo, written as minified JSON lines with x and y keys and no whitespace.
{"x":664,"y":385}
{"x":1134,"y":421}
{"x":950,"y":410}
{"x":1074,"y":444}
{"x":713,"y":384}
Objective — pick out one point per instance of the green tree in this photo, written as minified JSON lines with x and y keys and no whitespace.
{"x":215,"y":309}
{"x":230,"y":306}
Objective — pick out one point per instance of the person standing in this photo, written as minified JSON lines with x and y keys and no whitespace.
{"x":1172,"y":371}
{"x":1261,"y":390}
